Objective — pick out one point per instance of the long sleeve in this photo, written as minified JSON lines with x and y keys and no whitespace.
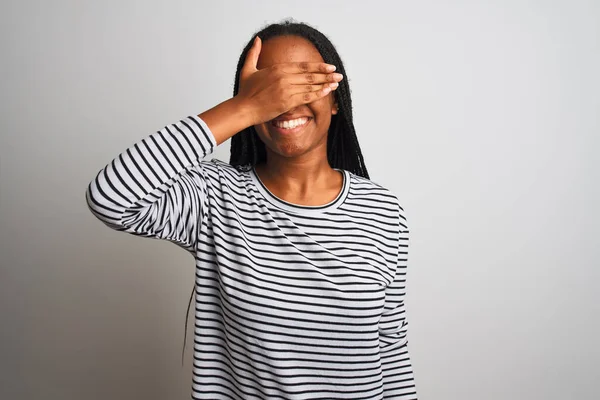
{"x":398,"y":379}
{"x":157,"y":187}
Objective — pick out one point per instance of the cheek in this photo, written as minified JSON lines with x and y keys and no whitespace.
{"x":262,"y":130}
{"x":322,"y":107}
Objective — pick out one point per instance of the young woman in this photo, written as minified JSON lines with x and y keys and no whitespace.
{"x":300,"y":258}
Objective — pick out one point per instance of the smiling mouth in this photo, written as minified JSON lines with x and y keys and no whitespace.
{"x":291,"y":126}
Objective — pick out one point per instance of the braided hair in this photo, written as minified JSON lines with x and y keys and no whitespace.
{"x":343,"y":150}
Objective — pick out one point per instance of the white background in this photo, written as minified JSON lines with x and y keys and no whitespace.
{"x":483,"y":117}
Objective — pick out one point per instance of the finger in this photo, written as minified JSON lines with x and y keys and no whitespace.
{"x":313,"y":78}
{"x":296,"y":89}
{"x":309,"y":97}
{"x":252,"y":58}
{"x":304,"y":67}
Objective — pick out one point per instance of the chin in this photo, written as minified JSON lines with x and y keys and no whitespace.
{"x":290,"y":150}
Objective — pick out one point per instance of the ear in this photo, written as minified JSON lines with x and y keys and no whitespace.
{"x":334,"y":109}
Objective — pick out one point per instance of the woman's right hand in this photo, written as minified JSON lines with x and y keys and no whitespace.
{"x":272,"y":91}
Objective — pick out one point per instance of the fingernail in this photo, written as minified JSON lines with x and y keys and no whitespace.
{"x":338,"y":76}
{"x":327,"y":90}
{"x":331,"y":68}
{"x":333,"y":85}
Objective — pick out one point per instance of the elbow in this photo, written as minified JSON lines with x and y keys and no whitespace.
{"x":102,"y":206}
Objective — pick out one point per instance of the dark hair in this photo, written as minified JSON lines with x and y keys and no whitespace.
{"x":343,"y":150}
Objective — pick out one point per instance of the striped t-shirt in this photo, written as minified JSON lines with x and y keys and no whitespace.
{"x":292,"y":301}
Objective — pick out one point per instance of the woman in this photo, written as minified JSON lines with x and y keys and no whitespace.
{"x":300,"y":258}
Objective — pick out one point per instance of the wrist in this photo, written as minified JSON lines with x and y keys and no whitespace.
{"x":245,"y":112}
{"x":228,"y":118}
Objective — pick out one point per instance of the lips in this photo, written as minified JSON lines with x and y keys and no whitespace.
{"x":290,"y":125}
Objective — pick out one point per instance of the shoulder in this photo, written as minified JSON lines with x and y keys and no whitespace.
{"x":221,"y":168}
{"x":368,"y":190}
{"x":222,"y":177}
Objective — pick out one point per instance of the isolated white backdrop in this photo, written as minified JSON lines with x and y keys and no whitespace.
{"x":481,"y":116}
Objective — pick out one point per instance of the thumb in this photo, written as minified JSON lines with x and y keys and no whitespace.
{"x":252,"y":58}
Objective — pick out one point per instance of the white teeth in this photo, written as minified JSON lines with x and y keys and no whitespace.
{"x":293,"y":123}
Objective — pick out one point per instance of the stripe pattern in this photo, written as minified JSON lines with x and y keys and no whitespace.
{"x":292,"y":301}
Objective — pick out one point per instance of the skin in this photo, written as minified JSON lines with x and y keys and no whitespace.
{"x":297,"y":169}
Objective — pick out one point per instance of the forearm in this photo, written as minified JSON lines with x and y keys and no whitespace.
{"x":228,"y":118}
{"x":398,"y":376}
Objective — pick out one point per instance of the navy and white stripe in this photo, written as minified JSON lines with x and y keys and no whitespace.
{"x":292,"y":301}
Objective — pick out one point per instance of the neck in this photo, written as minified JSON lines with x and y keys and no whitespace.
{"x":298,"y":178}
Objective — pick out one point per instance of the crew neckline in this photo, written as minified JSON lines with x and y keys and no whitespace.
{"x":301,"y":208}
